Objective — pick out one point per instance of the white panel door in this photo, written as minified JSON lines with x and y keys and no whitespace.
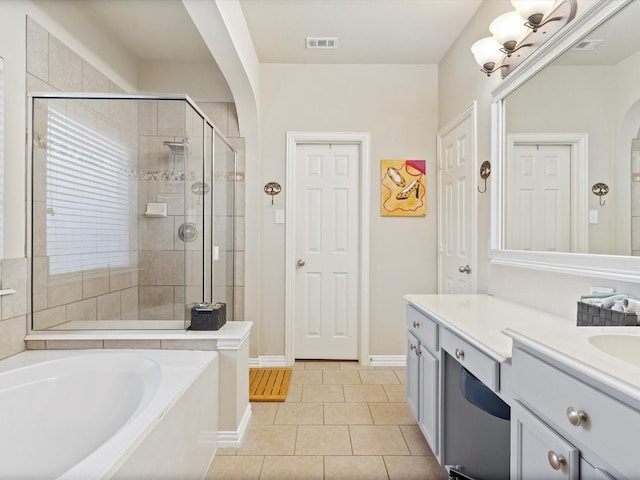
{"x":456,"y":212}
{"x":539,"y":198}
{"x":326,"y":244}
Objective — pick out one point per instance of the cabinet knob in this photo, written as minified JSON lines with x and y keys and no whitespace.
{"x":459,"y":354}
{"x":556,"y":461}
{"x":576,"y":417}
{"x":412,"y":347}
{"x":418,"y":352}
{"x":416,"y":324}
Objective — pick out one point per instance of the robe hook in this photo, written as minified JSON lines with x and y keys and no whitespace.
{"x":485,"y":171}
{"x":600,"y":189}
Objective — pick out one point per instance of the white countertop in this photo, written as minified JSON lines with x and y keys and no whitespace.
{"x":570,"y":346}
{"x":482,"y":318}
{"x":491,"y":324}
{"x":229,"y":331}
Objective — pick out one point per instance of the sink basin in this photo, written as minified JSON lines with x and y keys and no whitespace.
{"x":623,"y":347}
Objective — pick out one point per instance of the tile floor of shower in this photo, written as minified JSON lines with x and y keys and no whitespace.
{"x":339,"y":421}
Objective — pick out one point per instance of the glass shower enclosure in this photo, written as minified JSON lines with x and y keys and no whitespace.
{"x":132,"y":212}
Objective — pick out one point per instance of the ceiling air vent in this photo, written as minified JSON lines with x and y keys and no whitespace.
{"x":586,"y":45}
{"x":322,"y":42}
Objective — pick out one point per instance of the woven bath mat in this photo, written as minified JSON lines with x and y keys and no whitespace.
{"x":268,"y":384}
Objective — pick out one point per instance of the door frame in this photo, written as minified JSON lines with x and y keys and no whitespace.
{"x":362,"y":139}
{"x":469,"y":112}
{"x":578,"y":145}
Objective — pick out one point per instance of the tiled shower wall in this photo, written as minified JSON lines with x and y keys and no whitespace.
{"x":51,"y":66}
{"x":106,"y":293}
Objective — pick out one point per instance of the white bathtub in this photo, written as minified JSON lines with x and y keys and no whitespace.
{"x":108,"y":414}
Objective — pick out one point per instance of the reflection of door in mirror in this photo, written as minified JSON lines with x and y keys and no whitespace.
{"x":539,"y":198}
{"x":635,"y":196}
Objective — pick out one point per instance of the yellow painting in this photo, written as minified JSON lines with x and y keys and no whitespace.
{"x":404,"y":188}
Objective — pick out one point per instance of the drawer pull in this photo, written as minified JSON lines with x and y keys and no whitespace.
{"x":556,"y":461}
{"x":459,"y":354}
{"x":576,"y":417}
{"x":416,"y":324}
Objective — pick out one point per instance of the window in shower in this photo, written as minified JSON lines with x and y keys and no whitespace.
{"x":87,"y":196}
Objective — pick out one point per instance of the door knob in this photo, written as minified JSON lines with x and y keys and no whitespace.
{"x":301,"y":262}
{"x":464,"y":269}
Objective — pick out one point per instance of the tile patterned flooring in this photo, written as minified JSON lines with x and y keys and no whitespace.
{"x":339,"y":421}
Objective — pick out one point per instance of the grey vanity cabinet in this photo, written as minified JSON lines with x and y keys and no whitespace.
{"x":562,"y":427}
{"x":538,"y":452}
{"x":423,"y":374}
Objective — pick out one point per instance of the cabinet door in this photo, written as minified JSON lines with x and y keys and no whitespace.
{"x":429,"y":395}
{"x":413,"y":375}
{"x":537,"y":451}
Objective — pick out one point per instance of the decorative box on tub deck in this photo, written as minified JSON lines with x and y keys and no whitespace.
{"x":205,"y":316}
{"x":592,"y":315}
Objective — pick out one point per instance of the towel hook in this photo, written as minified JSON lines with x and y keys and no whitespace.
{"x":485,"y":171}
{"x":600,"y":189}
{"x":272,"y":188}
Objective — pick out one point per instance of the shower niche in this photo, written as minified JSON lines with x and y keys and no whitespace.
{"x":132,"y":212}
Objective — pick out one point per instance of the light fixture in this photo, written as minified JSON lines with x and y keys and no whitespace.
{"x":521,"y":29}
{"x":534,"y":12}
{"x":509,"y":30}
{"x":487,"y":53}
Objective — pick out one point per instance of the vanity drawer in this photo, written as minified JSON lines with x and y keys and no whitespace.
{"x":485,"y":368}
{"x":609,"y":427}
{"x":425,"y":329}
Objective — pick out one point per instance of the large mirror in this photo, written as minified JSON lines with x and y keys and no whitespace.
{"x":568,"y":128}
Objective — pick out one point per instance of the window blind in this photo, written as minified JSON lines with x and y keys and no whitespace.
{"x":88,"y":197}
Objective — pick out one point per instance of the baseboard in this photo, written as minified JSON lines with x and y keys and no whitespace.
{"x":387,"y":360}
{"x":268,"y":361}
{"x":232,"y":438}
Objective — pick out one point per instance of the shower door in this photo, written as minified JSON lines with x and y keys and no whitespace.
{"x":129,"y":194}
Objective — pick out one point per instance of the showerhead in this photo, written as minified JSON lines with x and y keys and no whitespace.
{"x":176,"y":147}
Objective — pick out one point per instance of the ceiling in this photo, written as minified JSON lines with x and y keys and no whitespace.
{"x":368,"y":31}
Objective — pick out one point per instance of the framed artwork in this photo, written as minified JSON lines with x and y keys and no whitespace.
{"x":404,"y":188}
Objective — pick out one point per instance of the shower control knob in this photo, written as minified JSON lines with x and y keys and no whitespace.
{"x":301,"y":263}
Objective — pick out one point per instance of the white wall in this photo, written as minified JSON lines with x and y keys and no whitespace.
{"x":203,"y":80}
{"x":397,"y":104}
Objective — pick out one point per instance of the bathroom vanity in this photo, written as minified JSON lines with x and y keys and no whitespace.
{"x":574,"y":395}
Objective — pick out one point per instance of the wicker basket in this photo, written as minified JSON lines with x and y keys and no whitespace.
{"x":210,"y":319}
{"x":592,"y":315}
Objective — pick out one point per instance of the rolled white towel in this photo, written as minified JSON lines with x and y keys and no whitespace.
{"x":604,"y":302}
{"x":631,"y":305}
